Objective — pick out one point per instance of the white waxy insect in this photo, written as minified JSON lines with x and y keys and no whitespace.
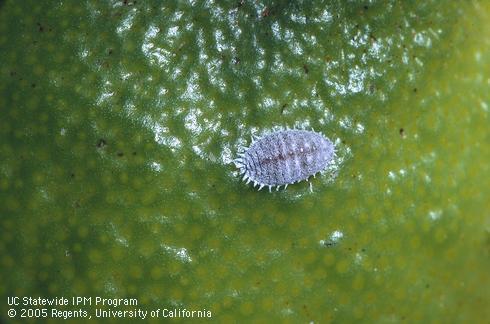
{"x":285,"y":157}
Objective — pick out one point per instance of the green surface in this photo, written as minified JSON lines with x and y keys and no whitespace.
{"x":119,"y":120}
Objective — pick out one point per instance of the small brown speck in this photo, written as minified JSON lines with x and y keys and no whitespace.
{"x":266,"y":12}
{"x":415,"y":90}
{"x":120,"y":154}
{"x":33,"y":85}
{"x":101,"y":143}
{"x":372,"y":88}
{"x":402,"y":132}
{"x":283,"y":107}
{"x":305,"y":67}
{"x":329,"y":243}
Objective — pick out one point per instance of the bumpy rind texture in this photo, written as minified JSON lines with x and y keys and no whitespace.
{"x":286,"y":157}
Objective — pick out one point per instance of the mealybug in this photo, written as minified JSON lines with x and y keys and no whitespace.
{"x":285,"y":157}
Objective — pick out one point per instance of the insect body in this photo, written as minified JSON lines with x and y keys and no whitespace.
{"x":285,"y":157}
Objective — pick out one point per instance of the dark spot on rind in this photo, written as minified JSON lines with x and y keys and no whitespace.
{"x":329,"y":243}
{"x":372,"y":88}
{"x":101,"y":143}
{"x":283,"y":107}
{"x":266,"y":12}
{"x":402,"y":132}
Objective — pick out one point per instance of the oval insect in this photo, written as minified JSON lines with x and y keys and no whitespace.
{"x":285,"y":157}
